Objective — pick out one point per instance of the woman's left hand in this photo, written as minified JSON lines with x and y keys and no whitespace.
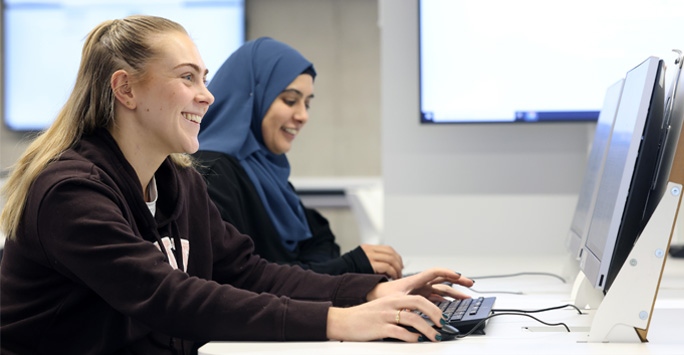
{"x":429,"y":284}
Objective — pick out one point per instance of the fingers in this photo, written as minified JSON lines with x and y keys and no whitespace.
{"x":384,"y":260}
{"x":393,"y":257}
{"x":440,"y":275}
{"x":390,"y":316}
{"x":385,"y":269}
{"x":417,"y":322}
{"x":435,"y":298}
{"x":412,"y":327}
{"x":446,"y":290}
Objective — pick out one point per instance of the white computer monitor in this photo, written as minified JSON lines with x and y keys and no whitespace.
{"x":627,"y":177}
{"x":592,"y":175}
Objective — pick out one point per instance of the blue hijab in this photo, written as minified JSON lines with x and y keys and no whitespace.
{"x":244,"y":88}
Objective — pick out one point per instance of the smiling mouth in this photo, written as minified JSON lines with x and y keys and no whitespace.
{"x":192,"y":117}
{"x":291,"y":131}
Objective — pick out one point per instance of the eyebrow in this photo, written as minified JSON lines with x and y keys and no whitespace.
{"x":297,"y":92}
{"x":194,"y":66}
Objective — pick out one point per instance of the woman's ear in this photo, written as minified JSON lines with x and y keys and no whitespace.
{"x":122,"y":89}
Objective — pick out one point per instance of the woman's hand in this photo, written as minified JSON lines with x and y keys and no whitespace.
{"x":384,"y":260}
{"x":429,"y":284}
{"x":383,"y":318}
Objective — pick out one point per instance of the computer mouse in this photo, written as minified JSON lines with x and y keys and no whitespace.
{"x":448,"y":332}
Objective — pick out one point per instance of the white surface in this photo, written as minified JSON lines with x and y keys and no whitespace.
{"x":511,"y":334}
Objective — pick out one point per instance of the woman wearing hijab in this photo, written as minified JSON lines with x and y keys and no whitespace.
{"x":263,"y":92}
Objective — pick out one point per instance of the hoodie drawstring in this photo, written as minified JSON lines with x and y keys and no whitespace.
{"x":178,"y":246}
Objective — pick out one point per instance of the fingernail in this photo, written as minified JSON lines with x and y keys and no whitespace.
{"x":421,"y":338}
{"x":445,"y":316}
{"x":473,"y":281}
{"x":442,"y":321}
{"x":438,"y":337}
{"x":458,"y":272}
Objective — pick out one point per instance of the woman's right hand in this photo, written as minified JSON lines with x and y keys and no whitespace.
{"x":384,"y":260}
{"x":378,"y":319}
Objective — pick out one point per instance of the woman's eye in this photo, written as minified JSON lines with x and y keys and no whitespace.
{"x":187,"y":77}
{"x":290,"y":102}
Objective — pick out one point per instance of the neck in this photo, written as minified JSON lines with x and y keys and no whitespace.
{"x":138,"y":155}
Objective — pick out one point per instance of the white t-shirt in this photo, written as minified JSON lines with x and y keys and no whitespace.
{"x":152,"y":190}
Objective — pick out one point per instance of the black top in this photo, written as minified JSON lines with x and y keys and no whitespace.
{"x":234,"y":194}
{"x":85,"y":274}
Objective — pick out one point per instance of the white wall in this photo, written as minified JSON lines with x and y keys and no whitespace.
{"x":499,"y":188}
{"x":342,"y":138}
{"x":506,"y":188}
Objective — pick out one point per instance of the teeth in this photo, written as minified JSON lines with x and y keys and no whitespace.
{"x":290,"y":130}
{"x":193,"y":117}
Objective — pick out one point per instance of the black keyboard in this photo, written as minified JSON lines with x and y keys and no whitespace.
{"x":467,"y":313}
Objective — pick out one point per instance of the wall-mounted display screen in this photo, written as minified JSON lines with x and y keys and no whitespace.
{"x":42,"y":42}
{"x":534,"y":60}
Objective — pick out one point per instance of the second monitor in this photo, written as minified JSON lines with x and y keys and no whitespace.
{"x":628,"y":173}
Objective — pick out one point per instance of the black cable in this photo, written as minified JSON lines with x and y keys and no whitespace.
{"x":538,"y":310}
{"x":518,"y":274}
{"x":510,"y":314}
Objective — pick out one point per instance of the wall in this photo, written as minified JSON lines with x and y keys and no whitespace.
{"x":341,"y":38}
{"x":509,"y":188}
{"x":342,"y":137}
{"x":460,"y":189}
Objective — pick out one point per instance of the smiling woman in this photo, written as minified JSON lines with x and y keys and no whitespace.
{"x":160,"y":114}
{"x":114,"y":245}
{"x":263,"y":93}
{"x":287,"y":115}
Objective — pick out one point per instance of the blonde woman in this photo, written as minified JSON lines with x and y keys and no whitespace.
{"x":115,"y":247}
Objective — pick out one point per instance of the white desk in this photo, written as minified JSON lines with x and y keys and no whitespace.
{"x":512,"y":334}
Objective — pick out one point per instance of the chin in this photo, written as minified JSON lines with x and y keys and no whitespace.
{"x":285,"y":149}
{"x":191,"y":148}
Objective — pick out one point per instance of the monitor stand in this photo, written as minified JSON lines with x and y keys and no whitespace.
{"x":584,"y":295}
{"x":624,"y":314}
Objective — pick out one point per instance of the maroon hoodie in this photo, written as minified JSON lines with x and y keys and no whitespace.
{"x":88,"y":272}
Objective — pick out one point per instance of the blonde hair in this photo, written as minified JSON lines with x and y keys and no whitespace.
{"x":111,"y":46}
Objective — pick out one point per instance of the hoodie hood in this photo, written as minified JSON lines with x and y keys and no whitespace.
{"x":113,"y":162}
{"x":171,"y":197}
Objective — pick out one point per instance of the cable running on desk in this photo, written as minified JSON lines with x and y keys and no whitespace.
{"x":518,"y":274}
{"x":512,"y":275}
{"x":511,"y":314}
{"x":522,"y":312}
{"x":538,"y":310}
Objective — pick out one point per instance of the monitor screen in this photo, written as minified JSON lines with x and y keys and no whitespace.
{"x":43,"y":39}
{"x":592,"y":175}
{"x":627,"y":175}
{"x":672,"y":126}
{"x":533,"y":60}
